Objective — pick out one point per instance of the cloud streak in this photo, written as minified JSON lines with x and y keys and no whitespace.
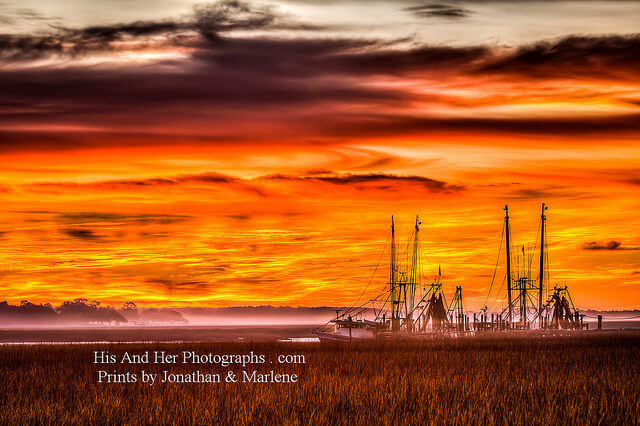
{"x":91,"y":217}
{"x":610,"y":246}
{"x":208,"y":20}
{"x":81,"y":234}
{"x":438,"y":10}
{"x":360,"y":181}
{"x":387,"y":181}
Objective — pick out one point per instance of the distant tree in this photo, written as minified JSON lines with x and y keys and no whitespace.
{"x":162,"y":316}
{"x":81,"y":311}
{"x":129,"y":310}
{"x":129,"y":306}
{"x":27,"y":312}
{"x":108,"y":315}
{"x":77,"y":310}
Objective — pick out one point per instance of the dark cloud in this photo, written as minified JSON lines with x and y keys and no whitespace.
{"x":90,"y":217}
{"x":318,"y":172}
{"x":208,"y":20}
{"x":358,"y":181}
{"x":241,"y":217}
{"x":611,"y":245}
{"x":208,"y":178}
{"x":613,"y":56}
{"x":635,"y":102}
{"x":498,"y":185}
{"x":191,"y":286}
{"x":393,"y":61}
{"x":228,"y":15}
{"x":216,"y":178}
{"x":379,"y":181}
{"x":96,"y":37}
{"x":151,"y":235}
{"x":394,"y":124}
{"x":81,"y":234}
{"x":438,"y":10}
{"x":146,"y":182}
{"x":204,"y":179}
{"x":546,"y":192}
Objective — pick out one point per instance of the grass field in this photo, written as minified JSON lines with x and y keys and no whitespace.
{"x":591,"y":379}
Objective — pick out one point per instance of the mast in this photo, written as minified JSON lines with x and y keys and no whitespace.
{"x":413,"y":278}
{"x":508,"y":247}
{"x":543,"y":219}
{"x":523,"y":281}
{"x":392,"y":272}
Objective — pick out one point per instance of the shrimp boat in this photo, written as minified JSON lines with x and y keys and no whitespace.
{"x":409,"y":307}
{"x":406,"y":306}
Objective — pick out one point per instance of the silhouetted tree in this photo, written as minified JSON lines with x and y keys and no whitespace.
{"x":26,"y":312}
{"x":162,"y":315}
{"x":129,"y":310}
{"x":80,"y":311}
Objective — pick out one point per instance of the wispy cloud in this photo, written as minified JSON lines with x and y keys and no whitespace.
{"x":91,"y":217}
{"x":610,"y":245}
{"x":438,"y":10}
{"x":359,"y":181}
{"x":208,"y":20}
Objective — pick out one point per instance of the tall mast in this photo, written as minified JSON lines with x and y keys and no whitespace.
{"x":543,"y":219}
{"x":392,"y":271}
{"x":413,"y":279}
{"x":508,"y":244}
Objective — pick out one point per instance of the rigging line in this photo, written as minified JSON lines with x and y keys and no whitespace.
{"x":496,"y":267}
{"x":372,"y":275}
{"x":406,"y":250}
{"x":423,"y":253}
{"x":534,"y":245}
{"x":363,"y":308}
{"x":367,"y":307}
{"x":546,"y":245}
{"x":431,"y":264}
{"x":382,"y":308}
{"x":497,"y":294}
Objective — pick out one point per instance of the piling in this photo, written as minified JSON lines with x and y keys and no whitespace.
{"x":599,"y":322}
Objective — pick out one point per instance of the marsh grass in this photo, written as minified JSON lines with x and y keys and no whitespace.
{"x":592,"y":379}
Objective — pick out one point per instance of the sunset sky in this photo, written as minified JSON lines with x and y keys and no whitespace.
{"x":175,"y":153}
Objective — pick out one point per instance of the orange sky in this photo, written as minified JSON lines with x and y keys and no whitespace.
{"x":244,"y":156}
